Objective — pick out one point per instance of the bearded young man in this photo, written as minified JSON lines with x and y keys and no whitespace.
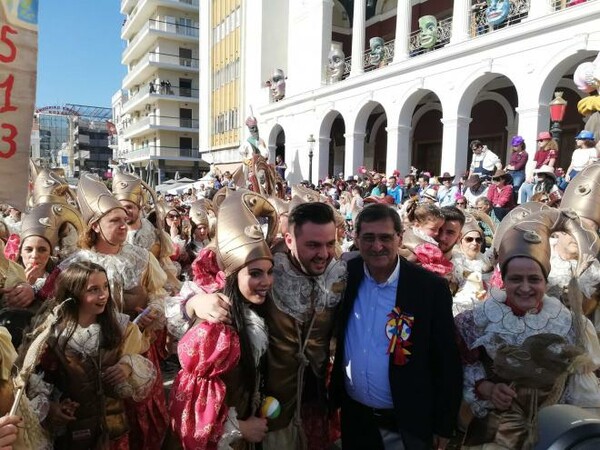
{"x":300,"y":315}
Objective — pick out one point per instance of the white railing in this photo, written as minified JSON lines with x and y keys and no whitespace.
{"x":388,"y":57}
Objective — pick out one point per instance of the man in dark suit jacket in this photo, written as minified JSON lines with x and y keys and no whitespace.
{"x":397,"y":374}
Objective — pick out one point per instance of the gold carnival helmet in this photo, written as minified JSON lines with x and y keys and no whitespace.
{"x":240,"y":239}
{"x":280,"y":205}
{"x":582,"y":194}
{"x":514,"y":217}
{"x":306,"y":194}
{"x":221,"y":195}
{"x":94,"y":198}
{"x":471,"y":224}
{"x":47,"y":220}
{"x":199,"y":215}
{"x":126,"y":186}
{"x":51,"y":187}
{"x":530,"y":237}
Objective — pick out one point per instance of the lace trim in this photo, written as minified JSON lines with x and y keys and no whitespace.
{"x":124,"y":270}
{"x":293,"y":290}
{"x":145,"y":237}
{"x":231,"y":431}
{"x":257,"y":332}
{"x":498,"y":324}
{"x":140,"y":382}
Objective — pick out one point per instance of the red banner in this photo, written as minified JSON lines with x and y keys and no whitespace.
{"x":18,"y":66}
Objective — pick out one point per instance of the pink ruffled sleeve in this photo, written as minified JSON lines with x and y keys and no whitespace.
{"x":197,"y":407}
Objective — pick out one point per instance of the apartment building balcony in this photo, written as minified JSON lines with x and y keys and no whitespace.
{"x":160,"y":152}
{"x":151,"y":94}
{"x":149,"y":63}
{"x":153,"y":122}
{"x":138,"y":12}
{"x":164,"y":27}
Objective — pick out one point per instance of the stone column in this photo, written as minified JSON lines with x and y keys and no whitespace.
{"x":455,"y":144}
{"x":272,"y":148}
{"x":461,"y":14}
{"x":358,"y":37}
{"x":403,"y":20}
{"x":321,"y":159}
{"x":399,"y":152}
{"x":532,"y":120}
{"x":355,"y":147}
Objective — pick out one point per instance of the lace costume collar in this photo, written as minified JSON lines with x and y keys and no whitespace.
{"x":85,"y":341}
{"x":293,"y":290}
{"x":498,"y":323}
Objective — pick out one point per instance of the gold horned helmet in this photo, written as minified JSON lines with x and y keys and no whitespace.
{"x":126,"y":186}
{"x":280,"y":205}
{"x":582,"y":194}
{"x":306,"y":194}
{"x":471,"y":224}
{"x":531,"y":238}
{"x":47,"y":220}
{"x":94,"y":198}
{"x":240,"y":239}
{"x":199,"y":211}
{"x":516,"y":216}
{"x":51,"y":187}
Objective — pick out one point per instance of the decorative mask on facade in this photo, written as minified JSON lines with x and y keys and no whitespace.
{"x":377,"y":55}
{"x":277,"y":85}
{"x":335,"y":68}
{"x":428,"y":31}
{"x":497,"y":11}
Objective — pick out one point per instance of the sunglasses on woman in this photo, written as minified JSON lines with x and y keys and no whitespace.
{"x":173,"y":216}
{"x":470,"y":239}
{"x":460,"y":203}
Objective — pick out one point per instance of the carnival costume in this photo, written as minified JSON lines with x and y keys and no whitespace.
{"x":209,"y":394}
{"x":547,"y":355}
{"x":131,"y":188}
{"x":469,"y":274}
{"x":75,"y":373}
{"x":136,"y":281}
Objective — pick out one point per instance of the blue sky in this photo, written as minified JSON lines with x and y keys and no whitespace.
{"x":79,"y":52}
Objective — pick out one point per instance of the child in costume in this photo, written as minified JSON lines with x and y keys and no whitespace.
{"x":83,"y":359}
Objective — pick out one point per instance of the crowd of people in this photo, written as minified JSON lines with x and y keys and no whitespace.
{"x":373,"y":311}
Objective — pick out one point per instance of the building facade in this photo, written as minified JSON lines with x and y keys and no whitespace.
{"x":72,"y":137}
{"x":421,"y":103}
{"x":156,"y":110}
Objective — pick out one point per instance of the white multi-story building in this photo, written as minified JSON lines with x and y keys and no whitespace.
{"x":156,"y":109}
{"x":421,"y":106}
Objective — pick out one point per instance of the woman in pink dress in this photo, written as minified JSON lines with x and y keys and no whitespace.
{"x":216,"y":395}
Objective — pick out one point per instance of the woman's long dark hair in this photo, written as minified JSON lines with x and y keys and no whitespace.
{"x":70,"y":287}
{"x":247,"y":363}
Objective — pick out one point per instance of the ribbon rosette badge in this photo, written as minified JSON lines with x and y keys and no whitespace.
{"x":398,"y":329}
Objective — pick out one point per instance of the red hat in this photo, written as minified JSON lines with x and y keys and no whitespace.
{"x":544,"y":136}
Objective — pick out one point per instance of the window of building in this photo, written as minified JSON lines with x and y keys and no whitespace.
{"x":185,"y":87}
{"x":185,"y":117}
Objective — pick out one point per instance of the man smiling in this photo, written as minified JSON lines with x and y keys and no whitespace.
{"x":397,"y":374}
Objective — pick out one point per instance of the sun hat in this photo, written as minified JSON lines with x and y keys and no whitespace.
{"x":585,"y":135}
{"x":544,"y":136}
{"x":446,"y":176}
{"x":430,"y":194}
{"x":473,"y":180}
{"x":547,"y":170}
{"x":516,"y":141}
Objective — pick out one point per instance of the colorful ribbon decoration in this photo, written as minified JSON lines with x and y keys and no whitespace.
{"x":398,"y":329}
